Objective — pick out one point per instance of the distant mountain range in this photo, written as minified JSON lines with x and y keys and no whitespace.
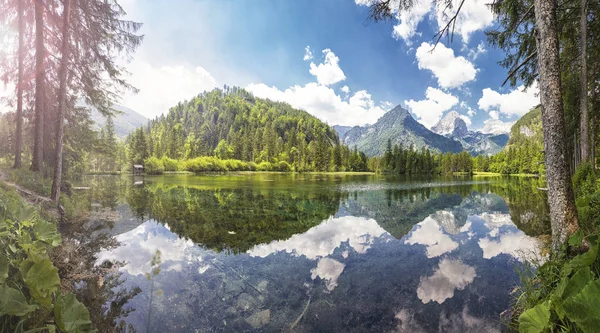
{"x":126,"y":121}
{"x":476,"y":143}
{"x":450,"y":134}
{"x":401,"y":128}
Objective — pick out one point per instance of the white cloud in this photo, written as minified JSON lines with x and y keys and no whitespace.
{"x":450,"y":71}
{"x":323,"y":103}
{"x":410,"y":19}
{"x":474,"y":16}
{"x":329,"y":72}
{"x":345,"y":89}
{"x":430,"y":234}
{"x":517,"y":102}
{"x":476,"y":52}
{"x":322,"y":240}
{"x":495,"y":126}
{"x":471,"y":112}
{"x":328,"y":270}
{"x":466,"y":119}
{"x":140,"y":244}
{"x":430,"y":110}
{"x":308,"y":55}
{"x":513,"y":243}
{"x":449,"y":276}
{"x":494,"y":115}
{"x":161,"y":88}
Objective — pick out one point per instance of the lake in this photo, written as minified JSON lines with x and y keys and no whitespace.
{"x":270,"y":252}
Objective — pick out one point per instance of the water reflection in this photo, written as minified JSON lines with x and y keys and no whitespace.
{"x":318,"y":253}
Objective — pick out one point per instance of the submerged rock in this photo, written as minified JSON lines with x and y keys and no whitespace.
{"x":259,"y":319}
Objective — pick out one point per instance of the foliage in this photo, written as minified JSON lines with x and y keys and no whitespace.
{"x":564,"y":293}
{"x":29,"y":282}
{"x":584,"y":180}
{"x":154,"y":166}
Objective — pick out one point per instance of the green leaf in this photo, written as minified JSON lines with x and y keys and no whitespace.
{"x":577,"y":282}
{"x":26,"y":215}
{"x":70,"y":315}
{"x":13,"y":302}
{"x":584,"y":307}
{"x":3,"y":269}
{"x":3,"y":228}
{"x":576,"y":239}
{"x":535,"y":320}
{"x":46,"y":231}
{"x":583,"y":260}
{"x":42,"y":279}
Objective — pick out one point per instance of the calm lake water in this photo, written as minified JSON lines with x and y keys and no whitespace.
{"x":310,"y":253}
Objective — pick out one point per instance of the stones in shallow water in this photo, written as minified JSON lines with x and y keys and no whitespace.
{"x":259,"y":319}
{"x":234,"y":287}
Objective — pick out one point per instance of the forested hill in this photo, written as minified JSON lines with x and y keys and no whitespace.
{"x":523,"y":153}
{"x":233,"y":124}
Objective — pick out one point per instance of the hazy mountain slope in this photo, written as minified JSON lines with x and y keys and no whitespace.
{"x":125,"y":122}
{"x":400,"y":127}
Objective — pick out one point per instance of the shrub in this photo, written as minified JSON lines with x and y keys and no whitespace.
{"x":153,"y":166}
{"x":264,"y":166}
{"x":169,"y":164}
{"x":284,"y":166}
{"x":584,"y":180}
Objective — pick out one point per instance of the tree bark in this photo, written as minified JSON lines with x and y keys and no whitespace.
{"x":62,"y":101}
{"x":561,"y":201}
{"x":19,"y":132}
{"x":38,"y":136}
{"x":583,"y":105}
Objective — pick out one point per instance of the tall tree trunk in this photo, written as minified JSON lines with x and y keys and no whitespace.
{"x":563,"y":213}
{"x":583,"y":104}
{"x":19,"y":132}
{"x":62,"y":101}
{"x":38,"y":136}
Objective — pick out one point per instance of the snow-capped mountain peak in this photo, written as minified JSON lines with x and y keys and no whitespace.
{"x":451,"y":125}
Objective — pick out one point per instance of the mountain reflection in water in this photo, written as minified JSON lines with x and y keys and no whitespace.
{"x":323,"y":253}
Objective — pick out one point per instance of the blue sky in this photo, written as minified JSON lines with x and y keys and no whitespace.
{"x":358,"y":69}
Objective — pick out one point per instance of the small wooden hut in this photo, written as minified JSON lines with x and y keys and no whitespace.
{"x":138,"y":169}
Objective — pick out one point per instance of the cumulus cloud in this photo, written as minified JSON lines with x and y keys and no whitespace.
{"x":517,"y":102}
{"x":161,"y":88}
{"x":514,"y":243}
{"x":308,"y":55}
{"x":329,"y":270}
{"x":410,"y":19}
{"x":322,"y":240}
{"x":140,"y":244}
{"x":471,"y":112}
{"x":328,"y":72}
{"x":495,"y":126}
{"x":430,"y":234}
{"x":476,"y":52}
{"x":322,"y":102}
{"x":494,"y":114}
{"x":474,"y":15}
{"x":466,"y":119}
{"x":430,"y":110}
{"x":451,"y":71}
{"x":450,"y":275}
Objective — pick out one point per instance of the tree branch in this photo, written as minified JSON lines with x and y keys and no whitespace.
{"x":514,"y":70}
